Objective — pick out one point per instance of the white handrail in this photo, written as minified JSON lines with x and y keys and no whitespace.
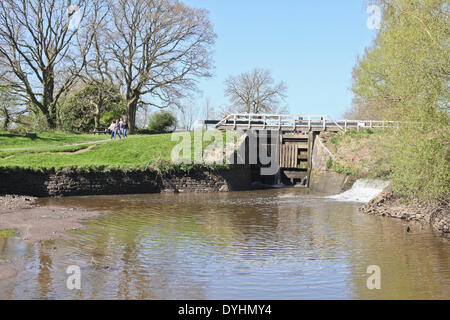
{"x":294,"y":121}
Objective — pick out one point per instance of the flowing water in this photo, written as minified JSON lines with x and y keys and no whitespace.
{"x":363,"y":190}
{"x":271,"y":244}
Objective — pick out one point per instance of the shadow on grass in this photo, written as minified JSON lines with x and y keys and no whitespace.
{"x":11,"y":135}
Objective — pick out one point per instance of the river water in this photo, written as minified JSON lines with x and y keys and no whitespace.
{"x":271,"y":244}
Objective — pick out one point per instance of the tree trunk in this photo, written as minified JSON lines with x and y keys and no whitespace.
{"x":47,"y":100}
{"x":7,"y":119}
{"x":98,"y":107}
{"x":96,"y":118}
{"x":131,"y":112}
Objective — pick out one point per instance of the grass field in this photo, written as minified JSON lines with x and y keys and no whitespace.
{"x":17,"y":140}
{"x":42,"y":149}
{"x":137,"y":151}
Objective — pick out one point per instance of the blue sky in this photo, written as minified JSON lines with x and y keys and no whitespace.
{"x":311,"y":45}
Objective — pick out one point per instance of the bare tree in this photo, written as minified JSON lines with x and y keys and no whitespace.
{"x":96,"y":69}
{"x":159,"y":48}
{"x":209,"y":111}
{"x":187,"y":114}
{"x":9,"y":112}
{"x":43,"y":45}
{"x":255,"y":92}
{"x":143,"y":116}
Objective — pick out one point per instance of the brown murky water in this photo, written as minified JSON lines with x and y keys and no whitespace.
{"x":274,"y":244}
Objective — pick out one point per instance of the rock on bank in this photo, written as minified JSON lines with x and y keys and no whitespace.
{"x":387,"y":204}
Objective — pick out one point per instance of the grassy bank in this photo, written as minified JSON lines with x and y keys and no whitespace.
{"x":139,"y":151}
{"x":376,"y":154}
{"x":13,"y":140}
{"x":132,"y":152}
{"x":365,"y":153}
{"x":9,"y":233}
{"x":41,"y":150}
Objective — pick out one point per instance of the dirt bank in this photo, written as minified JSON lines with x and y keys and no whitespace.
{"x":387,"y":204}
{"x":34,"y":223}
{"x":7,"y":270}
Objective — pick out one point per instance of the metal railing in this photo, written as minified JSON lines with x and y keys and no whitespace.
{"x":297,"y":122}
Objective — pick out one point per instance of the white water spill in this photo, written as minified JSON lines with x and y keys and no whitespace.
{"x":363,"y":190}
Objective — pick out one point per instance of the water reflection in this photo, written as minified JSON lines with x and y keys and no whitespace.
{"x":274,"y":244}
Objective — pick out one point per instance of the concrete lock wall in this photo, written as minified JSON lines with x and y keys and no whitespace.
{"x":322,"y":179}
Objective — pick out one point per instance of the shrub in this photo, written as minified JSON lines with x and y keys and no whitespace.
{"x":330,"y":163}
{"x":116,"y":113}
{"x":162,"y":122}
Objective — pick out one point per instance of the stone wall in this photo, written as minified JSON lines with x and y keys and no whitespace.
{"x":71,"y":183}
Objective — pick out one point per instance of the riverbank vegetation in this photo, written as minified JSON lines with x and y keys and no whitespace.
{"x":9,"y":233}
{"x":364,"y":153}
{"x":404,"y":76}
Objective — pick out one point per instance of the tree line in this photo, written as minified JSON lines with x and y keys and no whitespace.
{"x":145,"y":52}
{"x":404,"y":75}
{"x":75,"y":65}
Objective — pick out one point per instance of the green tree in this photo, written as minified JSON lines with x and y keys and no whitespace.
{"x":404,"y":76}
{"x":82,"y":109}
{"x":162,"y":122}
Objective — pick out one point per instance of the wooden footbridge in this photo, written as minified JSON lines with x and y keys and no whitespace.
{"x":296,"y":136}
{"x":295,"y":123}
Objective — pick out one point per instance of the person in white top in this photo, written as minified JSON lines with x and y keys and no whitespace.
{"x":112,"y":129}
{"x":121,"y":125}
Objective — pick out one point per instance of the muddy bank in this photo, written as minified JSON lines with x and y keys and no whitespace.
{"x":11,"y":202}
{"x":7,"y":270}
{"x":387,"y":204}
{"x":34,"y":223}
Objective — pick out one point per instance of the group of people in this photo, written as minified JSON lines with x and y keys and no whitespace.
{"x":118,"y":128}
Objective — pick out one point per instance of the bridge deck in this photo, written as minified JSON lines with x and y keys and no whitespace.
{"x":292,"y":122}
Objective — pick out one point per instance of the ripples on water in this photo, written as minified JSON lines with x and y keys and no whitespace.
{"x":274,"y":244}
